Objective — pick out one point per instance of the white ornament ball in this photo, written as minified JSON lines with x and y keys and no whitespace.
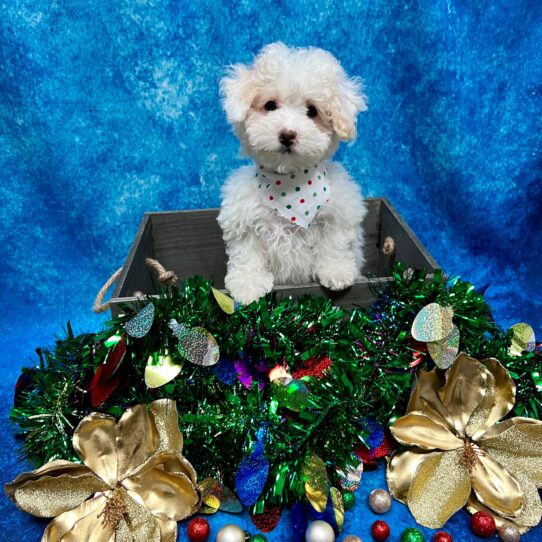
{"x":509,"y":533}
{"x":319,"y":531}
{"x":352,"y":538}
{"x":230,"y":533}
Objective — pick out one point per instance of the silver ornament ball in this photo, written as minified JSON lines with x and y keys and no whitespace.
{"x":319,"y":531}
{"x":379,"y":501}
{"x":509,"y":533}
{"x":352,"y":538}
{"x":230,"y":533}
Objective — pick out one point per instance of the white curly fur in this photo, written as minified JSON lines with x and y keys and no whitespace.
{"x":263,"y":248}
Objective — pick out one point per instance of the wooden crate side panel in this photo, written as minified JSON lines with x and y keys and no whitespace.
{"x":371,"y":233}
{"x":190,"y":243}
{"x":136,"y":276}
{"x":408,"y":248}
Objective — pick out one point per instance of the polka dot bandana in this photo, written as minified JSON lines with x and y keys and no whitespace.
{"x":296,"y":196}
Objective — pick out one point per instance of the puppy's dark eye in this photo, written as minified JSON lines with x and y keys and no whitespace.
{"x":271,"y":105}
{"x":312,"y":111}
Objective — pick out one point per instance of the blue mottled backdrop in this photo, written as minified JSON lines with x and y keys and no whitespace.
{"x":109,"y":109}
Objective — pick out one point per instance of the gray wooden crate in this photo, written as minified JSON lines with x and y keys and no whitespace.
{"x":190,"y":243}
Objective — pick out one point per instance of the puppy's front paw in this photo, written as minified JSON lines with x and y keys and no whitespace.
{"x":248,"y":288}
{"x":338,"y":277}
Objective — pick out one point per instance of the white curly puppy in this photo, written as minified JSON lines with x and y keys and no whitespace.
{"x":294,"y":216}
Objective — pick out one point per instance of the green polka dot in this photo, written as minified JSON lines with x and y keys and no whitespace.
{"x":283,"y":194}
{"x":306,"y":213}
{"x":259,"y":186}
{"x":292,"y":176}
{"x":267,"y":185}
{"x":318,"y":206}
{"x":288,"y":206}
{"x":314,"y":194}
{"x":319,"y":177}
{"x":306,"y":171}
{"x":257,"y":174}
{"x":297,"y":188}
{"x":325,"y":189}
{"x":324,"y":173}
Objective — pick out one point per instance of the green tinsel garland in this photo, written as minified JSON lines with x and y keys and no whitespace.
{"x":371,"y":350}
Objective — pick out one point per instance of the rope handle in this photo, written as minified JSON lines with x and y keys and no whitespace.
{"x":162,"y":275}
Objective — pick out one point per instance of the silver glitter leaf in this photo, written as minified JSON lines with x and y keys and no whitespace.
{"x":141,"y":323}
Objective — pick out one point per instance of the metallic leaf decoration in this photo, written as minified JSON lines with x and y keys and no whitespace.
{"x":350,"y":478}
{"x":225,"y":302}
{"x":523,"y":339}
{"x":314,"y":476}
{"x":109,"y":373}
{"x":338,"y":507}
{"x":141,"y":323}
{"x":433,"y":323}
{"x":216,"y":496}
{"x":445,"y":352}
{"x":292,"y":394}
{"x":161,"y":369}
{"x":196,"y":344}
{"x":252,"y":473}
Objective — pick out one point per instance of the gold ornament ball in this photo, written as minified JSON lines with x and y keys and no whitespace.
{"x":319,"y":531}
{"x":352,"y":538}
{"x":379,"y":501}
{"x":230,"y":533}
{"x":509,"y":533}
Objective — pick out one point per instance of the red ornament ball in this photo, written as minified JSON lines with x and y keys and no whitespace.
{"x":198,"y":530}
{"x":483,"y":524}
{"x":380,"y":531}
{"x":442,"y":536}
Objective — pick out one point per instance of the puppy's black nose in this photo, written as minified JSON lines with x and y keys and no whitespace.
{"x":287,"y":137}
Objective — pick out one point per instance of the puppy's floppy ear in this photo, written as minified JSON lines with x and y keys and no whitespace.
{"x":238,"y":92}
{"x":347,"y":102}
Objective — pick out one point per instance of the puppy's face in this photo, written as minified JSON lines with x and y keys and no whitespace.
{"x":291,"y":108}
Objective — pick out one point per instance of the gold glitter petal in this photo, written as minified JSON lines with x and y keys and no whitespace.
{"x":425,"y":396}
{"x":467,"y":383}
{"x":49,"y":496}
{"x":433,"y":323}
{"x":94,"y":440}
{"x":168,"y":530}
{"x":166,"y":420}
{"x":167,"y":495}
{"x":139,"y":525}
{"x":495,"y":487}
{"x":439,"y":489}
{"x":80,"y":524}
{"x":401,"y":470}
{"x":516,"y":443}
{"x":445,"y":351}
{"x":417,"y":429}
{"x":505,"y":394}
{"x":137,"y":439}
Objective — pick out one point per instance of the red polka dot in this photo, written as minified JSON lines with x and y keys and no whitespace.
{"x":277,"y":182}
{"x":309,"y":182}
{"x":271,"y":198}
{"x":293,"y":219}
{"x":301,"y":200}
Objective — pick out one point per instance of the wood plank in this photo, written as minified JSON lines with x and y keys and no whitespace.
{"x":408,"y":248}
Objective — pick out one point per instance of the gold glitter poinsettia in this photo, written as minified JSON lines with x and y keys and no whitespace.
{"x":460,"y":454}
{"x":134,"y":484}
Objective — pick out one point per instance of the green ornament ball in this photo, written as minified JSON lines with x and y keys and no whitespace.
{"x":412,"y":535}
{"x":258,"y":538}
{"x":349,"y":500}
